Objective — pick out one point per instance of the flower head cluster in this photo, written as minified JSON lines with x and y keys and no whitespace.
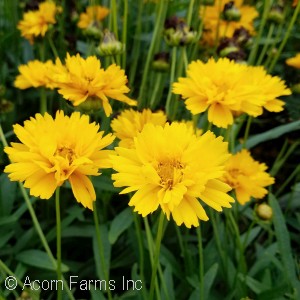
{"x":247,"y":177}
{"x":36,"y":23}
{"x":83,"y":80}
{"x":294,"y":61}
{"x":129,"y":123}
{"x":35,"y":74}
{"x":53,"y":151}
{"x":93,"y":15}
{"x":171,"y":168}
{"x":225,"y":88}
{"x":217,"y":25}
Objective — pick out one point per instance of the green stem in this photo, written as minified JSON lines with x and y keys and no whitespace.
{"x":52,"y":46}
{"x":43,"y":99}
{"x":139,"y":236}
{"x":288,"y":180}
{"x":37,"y":224}
{"x":190,"y":12}
{"x":154,"y":96}
{"x":58,"y":241}
{"x":124,"y":32}
{"x":247,"y":131}
{"x":156,"y":254}
{"x":172,"y":77}
{"x":201,"y":267}
{"x":252,"y":56}
{"x":265,"y":47}
{"x":158,"y":23}
{"x":100,"y":247}
{"x":151,"y":249}
{"x":285,"y":39}
{"x":136,"y":45}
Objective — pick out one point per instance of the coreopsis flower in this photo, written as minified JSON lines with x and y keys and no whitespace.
{"x":247,"y":177}
{"x":35,"y":74}
{"x":294,"y":61}
{"x":129,"y":123}
{"x":216,"y":25}
{"x":52,"y":151}
{"x":271,"y":87}
{"x":83,"y":80}
{"x":226,"y":88}
{"x":36,"y":23}
{"x":93,"y":15}
{"x":171,"y":168}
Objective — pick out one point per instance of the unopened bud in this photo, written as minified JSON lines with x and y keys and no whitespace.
{"x":109,"y":45}
{"x":6,"y":106}
{"x":264,"y":211}
{"x":296,"y":88}
{"x":276,"y":14}
{"x":231,"y":12}
{"x":93,"y":30}
{"x":161,"y":62}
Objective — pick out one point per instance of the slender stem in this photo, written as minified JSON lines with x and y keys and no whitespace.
{"x":156,"y":89}
{"x":158,"y":23}
{"x":52,"y":46}
{"x":285,"y":39}
{"x":124,"y":32}
{"x":58,"y":241}
{"x":9,"y":272}
{"x":151,"y":249}
{"x":247,"y":130}
{"x":100,"y":247}
{"x":190,"y":12}
{"x":43,"y":99}
{"x":136,"y":45}
{"x":172,"y":77}
{"x":139,"y":236}
{"x":37,"y":224}
{"x":156,"y":254}
{"x":201,"y":267}
{"x":252,"y":56}
{"x":288,"y":180}
{"x":265,"y":47}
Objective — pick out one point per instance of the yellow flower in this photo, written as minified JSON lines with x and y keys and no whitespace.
{"x":271,"y":87}
{"x":36,"y":23}
{"x":294,"y":61}
{"x":247,"y":177}
{"x":129,"y":123}
{"x":55,"y":150}
{"x":226,"y":88}
{"x":94,"y":13}
{"x":35,"y":74}
{"x":169,"y":166}
{"x":215,"y":26}
{"x":84,"y":79}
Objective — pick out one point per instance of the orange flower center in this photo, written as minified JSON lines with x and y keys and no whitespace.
{"x":170,"y":173}
{"x":66,"y":153}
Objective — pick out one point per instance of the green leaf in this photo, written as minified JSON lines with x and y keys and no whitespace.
{"x":252,"y":235}
{"x":284,"y":244}
{"x":96,"y":294}
{"x":255,"y":285}
{"x":270,"y":135}
{"x":8,"y":191}
{"x":209,"y":278}
{"x":39,"y":259}
{"x":119,"y":224}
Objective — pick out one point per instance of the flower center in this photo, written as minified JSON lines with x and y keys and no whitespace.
{"x":170,"y":173}
{"x":66,"y":153}
{"x":232,"y":177}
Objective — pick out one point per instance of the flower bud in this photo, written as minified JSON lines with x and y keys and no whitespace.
{"x":242,"y":37}
{"x":276,"y":14}
{"x":230,"y":49}
{"x":178,"y":33}
{"x":90,"y":105}
{"x":6,"y":106}
{"x":109,"y":45}
{"x":264,"y":211}
{"x":2,"y":90}
{"x":93,"y":31}
{"x":296,"y":88}
{"x":161,"y":62}
{"x":231,"y":12}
